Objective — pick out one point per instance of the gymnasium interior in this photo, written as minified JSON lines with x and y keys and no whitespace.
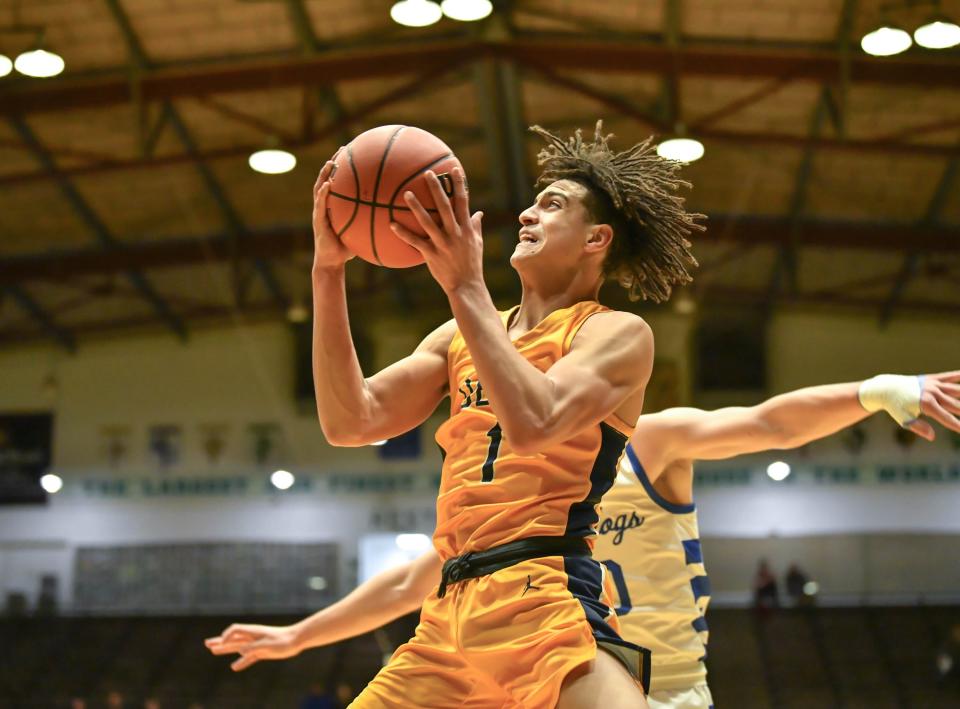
{"x":162,"y":470}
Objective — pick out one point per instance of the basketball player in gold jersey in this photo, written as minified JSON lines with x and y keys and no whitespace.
{"x":542,"y":401}
{"x":648,"y":536}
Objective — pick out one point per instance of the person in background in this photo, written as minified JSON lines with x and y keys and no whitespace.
{"x":796,"y":582}
{"x":766,"y":594}
{"x":948,"y":659}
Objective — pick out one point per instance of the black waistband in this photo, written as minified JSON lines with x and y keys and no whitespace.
{"x":480,"y":563}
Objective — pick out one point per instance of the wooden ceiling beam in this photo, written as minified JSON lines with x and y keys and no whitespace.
{"x":86,"y":214}
{"x":452,"y":132}
{"x":327,"y":95}
{"x":285,"y":241}
{"x":784,"y":275}
{"x":739,"y":104}
{"x":938,"y":126}
{"x":48,"y":326}
{"x":470,"y":135}
{"x":911,"y":262}
{"x":612,"y":101}
{"x":747,"y":138}
{"x":859,"y":145}
{"x":59,"y":152}
{"x":199,"y":315}
{"x":269,"y":130}
{"x":721,"y":295}
{"x":265,"y":312}
{"x":580,"y":54}
{"x":407,"y":90}
{"x":784,"y":272}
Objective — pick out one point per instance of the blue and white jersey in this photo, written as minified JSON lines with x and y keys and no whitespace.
{"x":651,"y":548}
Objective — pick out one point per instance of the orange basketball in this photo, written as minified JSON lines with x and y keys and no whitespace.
{"x":367,"y":186}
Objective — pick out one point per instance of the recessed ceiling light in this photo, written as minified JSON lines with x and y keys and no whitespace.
{"x":273,"y":161}
{"x":39,"y":64}
{"x":466,"y":10}
{"x":415,"y":13}
{"x":681,"y":149}
{"x":886,"y":41}
{"x":939,"y":33}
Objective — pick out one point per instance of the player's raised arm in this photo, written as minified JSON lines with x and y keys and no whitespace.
{"x":384,"y":598}
{"x":796,"y":418}
{"x":609,"y":360}
{"x":355,"y":410}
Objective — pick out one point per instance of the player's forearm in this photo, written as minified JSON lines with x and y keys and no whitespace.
{"x":382,"y":599}
{"x":342,"y":399}
{"x":520,"y":394}
{"x":805,"y":415}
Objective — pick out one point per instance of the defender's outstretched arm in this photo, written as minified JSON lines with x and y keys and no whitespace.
{"x":386,"y":597}
{"x":796,"y":418}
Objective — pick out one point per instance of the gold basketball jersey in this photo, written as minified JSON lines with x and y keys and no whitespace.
{"x":490,"y":495}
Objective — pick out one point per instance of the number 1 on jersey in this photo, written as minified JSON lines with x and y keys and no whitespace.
{"x":495,"y":435}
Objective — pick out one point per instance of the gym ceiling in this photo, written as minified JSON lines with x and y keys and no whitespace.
{"x":127,"y":203}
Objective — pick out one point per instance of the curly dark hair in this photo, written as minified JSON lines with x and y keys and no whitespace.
{"x":635,"y":193}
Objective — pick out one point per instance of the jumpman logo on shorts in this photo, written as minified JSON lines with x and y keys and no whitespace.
{"x":529,"y":586}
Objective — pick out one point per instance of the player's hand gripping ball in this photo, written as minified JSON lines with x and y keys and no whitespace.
{"x":370,"y":176}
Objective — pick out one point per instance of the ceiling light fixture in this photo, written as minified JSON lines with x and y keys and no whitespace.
{"x":681,"y":149}
{"x":6,"y":65}
{"x":886,"y":41}
{"x":938,"y":33}
{"x":40,"y":64}
{"x":466,"y":10}
{"x":415,"y":13}
{"x":272,"y":161}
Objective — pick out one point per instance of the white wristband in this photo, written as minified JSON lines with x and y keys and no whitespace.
{"x":896,"y":394}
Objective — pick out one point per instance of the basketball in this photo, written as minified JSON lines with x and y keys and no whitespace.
{"x":366,"y":190}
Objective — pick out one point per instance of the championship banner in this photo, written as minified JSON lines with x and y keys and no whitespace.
{"x":25,"y":452}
